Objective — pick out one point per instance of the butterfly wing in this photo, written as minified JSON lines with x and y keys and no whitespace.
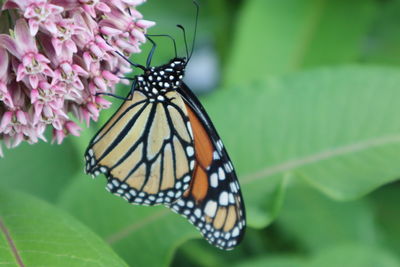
{"x":145,"y":150}
{"x":213,"y":202}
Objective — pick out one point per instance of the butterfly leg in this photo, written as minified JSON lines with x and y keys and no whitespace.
{"x":150,"y":56}
{"x":120,"y":97}
{"x":130,"y":62}
{"x":127,"y":78}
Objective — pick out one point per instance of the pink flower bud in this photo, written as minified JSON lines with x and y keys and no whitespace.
{"x":72,"y":128}
{"x":144,"y":24}
{"x":21,"y":117}
{"x":5,"y":120}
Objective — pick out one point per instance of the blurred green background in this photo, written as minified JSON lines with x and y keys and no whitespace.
{"x":305,"y":95}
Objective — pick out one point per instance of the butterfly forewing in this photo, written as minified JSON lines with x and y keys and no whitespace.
{"x":145,"y":149}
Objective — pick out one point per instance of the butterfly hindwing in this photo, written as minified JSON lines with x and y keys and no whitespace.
{"x":213,"y":202}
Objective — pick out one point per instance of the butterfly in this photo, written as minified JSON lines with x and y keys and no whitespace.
{"x":161,"y":148}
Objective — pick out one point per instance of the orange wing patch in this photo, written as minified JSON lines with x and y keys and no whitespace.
{"x":202,"y":143}
{"x":204,"y":153}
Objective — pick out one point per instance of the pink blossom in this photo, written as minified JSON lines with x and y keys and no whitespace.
{"x":37,"y":12}
{"x":15,"y":123}
{"x":5,"y":95}
{"x":122,"y":31}
{"x":33,"y":64}
{"x":57,"y":59}
{"x":69,"y":127}
{"x":91,"y":6}
{"x":61,"y":40}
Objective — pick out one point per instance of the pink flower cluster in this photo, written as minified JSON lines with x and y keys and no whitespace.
{"x":59,"y":55}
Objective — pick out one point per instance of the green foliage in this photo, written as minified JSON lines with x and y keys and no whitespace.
{"x":285,"y":36}
{"x":307,"y":215}
{"x":42,"y":235}
{"x":347,"y":255}
{"x":45,"y":180}
{"x":312,"y":127}
{"x":155,"y":231}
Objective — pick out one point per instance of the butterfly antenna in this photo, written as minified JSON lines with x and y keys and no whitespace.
{"x":185,"y":39}
{"x":195,"y":27}
{"x":166,"y":35}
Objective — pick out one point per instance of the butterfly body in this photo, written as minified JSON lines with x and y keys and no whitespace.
{"x":160,"y":147}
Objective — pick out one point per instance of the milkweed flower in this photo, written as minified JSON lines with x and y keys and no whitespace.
{"x":56,"y":58}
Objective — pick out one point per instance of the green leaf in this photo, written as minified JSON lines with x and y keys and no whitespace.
{"x":317,"y":222}
{"x":266,"y":200}
{"x":33,"y":233}
{"x":41,"y":169}
{"x":275,"y":37}
{"x":383,"y":43}
{"x":338,"y":129}
{"x":386,"y":203}
{"x":274,"y":261}
{"x":345,"y":255}
{"x":355,"y":255}
{"x":143,"y":236}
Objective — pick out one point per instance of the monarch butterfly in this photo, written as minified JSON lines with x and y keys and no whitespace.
{"x":161,"y":147}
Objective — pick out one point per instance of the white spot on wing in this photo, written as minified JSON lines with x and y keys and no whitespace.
{"x":190,"y":129}
{"x":190,"y":151}
{"x":221,"y":174}
{"x":223,"y":198}
{"x":214,"y":180}
{"x":219,"y":145}
{"x":231,"y":199}
{"x":210,"y":208}
{"x":197,"y":212}
{"x":235,"y":232}
{"x":186,"y":179}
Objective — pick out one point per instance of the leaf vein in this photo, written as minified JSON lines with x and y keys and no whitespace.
{"x":11,"y":243}
{"x":324,"y":155}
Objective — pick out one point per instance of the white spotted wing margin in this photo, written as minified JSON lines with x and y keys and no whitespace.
{"x":145,"y":150}
{"x":220,"y":215}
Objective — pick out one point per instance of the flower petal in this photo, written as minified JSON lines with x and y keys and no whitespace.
{"x":33,"y":26}
{"x":6,"y":119}
{"x":103,"y":7}
{"x":3,"y":64}
{"x":144,"y":24}
{"x":21,"y":117}
{"x":72,"y":128}
{"x":7,"y":42}
{"x":9,"y":4}
{"x":23,"y":37}
{"x":34,"y":80}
